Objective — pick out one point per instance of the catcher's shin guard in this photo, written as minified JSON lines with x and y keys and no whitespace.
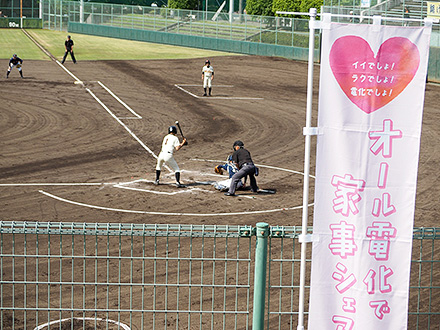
{"x":178,"y":177}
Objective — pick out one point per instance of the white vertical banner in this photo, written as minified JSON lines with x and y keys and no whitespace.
{"x":371,"y":98}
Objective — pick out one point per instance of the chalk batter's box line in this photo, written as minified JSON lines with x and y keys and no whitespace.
{"x":179,"y":86}
{"x":136,"y":115}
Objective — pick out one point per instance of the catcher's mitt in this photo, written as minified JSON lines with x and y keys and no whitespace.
{"x":218,"y":170}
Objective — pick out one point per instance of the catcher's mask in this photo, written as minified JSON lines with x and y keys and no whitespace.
{"x":238,"y":143}
{"x":172,"y":129}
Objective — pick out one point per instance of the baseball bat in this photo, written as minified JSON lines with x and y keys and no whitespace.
{"x":180,"y":130}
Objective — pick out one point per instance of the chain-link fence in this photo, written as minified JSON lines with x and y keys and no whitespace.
{"x":131,"y":276}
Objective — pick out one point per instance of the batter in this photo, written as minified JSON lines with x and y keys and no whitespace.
{"x":207,"y":77}
{"x":169,"y":145}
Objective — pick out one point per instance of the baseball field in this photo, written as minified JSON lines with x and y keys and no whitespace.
{"x":78,"y":144}
{"x":63,"y":152}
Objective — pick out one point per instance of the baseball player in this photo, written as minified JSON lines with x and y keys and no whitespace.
{"x":169,"y":145}
{"x":242,"y":159}
{"x":207,"y":77}
{"x":15,"y":61}
{"x":68,"y":45}
{"x":230,"y":167}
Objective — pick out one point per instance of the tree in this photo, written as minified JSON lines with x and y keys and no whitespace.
{"x":307,"y":4}
{"x":285,"y":5}
{"x":259,"y":7}
{"x":183,"y":4}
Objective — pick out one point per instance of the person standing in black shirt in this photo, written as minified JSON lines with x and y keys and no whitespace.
{"x":243,"y":160}
{"x":69,"y":49}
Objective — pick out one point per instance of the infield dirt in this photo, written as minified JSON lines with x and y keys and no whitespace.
{"x":53,"y":131}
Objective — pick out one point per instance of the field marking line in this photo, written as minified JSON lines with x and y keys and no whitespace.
{"x":119,"y":324}
{"x":123,"y":185}
{"x":50,"y":55}
{"x":56,"y":184}
{"x":121,"y":123}
{"x":120,"y":101}
{"x":200,"y":85}
{"x":217,"y":97}
{"x":189,"y":190}
{"x":233,"y":98}
{"x":188,"y":92}
{"x":95,"y":97}
{"x":169,"y":213}
{"x":258,"y":165}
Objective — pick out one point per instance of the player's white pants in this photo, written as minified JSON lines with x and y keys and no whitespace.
{"x":166,"y":157}
{"x":13,"y":65}
{"x":207,"y":82}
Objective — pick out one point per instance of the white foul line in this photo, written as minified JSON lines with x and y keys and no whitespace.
{"x":217,"y":97}
{"x":169,"y":213}
{"x":120,"y":101}
{"x":183,"y":89}
{"x":56,"y":184}
{"x":121,"y":123}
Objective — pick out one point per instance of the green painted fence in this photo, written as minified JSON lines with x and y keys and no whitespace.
{"x":234,"y":46}
{"x":151,"y":276}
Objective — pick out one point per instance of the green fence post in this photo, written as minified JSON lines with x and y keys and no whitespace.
{"x":260,"y":276}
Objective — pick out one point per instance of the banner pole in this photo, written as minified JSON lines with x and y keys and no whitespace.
{"x":305,"y":214}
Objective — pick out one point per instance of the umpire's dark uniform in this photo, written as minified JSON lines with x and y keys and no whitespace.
{"x":69,"y":49}
{"x":246,"y":167}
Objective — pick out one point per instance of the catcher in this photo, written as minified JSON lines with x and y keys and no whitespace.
{"x":15,"y":61}
{"x":230,"y":167}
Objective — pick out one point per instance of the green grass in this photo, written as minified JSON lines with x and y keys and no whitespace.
{"x":92,"y":47}
{"x":15,"y":41}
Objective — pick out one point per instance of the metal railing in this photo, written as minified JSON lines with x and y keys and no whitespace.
{"x":132,"y":276}
{"x":284,"y":31}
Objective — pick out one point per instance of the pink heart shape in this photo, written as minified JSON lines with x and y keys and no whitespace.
{"x":369,"y":81}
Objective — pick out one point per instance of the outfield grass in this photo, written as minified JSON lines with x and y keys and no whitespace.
{"x":14,"y":41}
{"x":92,"y":47}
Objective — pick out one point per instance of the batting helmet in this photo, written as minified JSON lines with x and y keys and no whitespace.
{"x":172,"y":129}
{"x":238,"y":143}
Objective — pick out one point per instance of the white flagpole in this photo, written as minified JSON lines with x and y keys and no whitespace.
{"x":304,"y":239}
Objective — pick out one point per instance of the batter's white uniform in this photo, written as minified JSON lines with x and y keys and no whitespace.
{"x":170,"y":142}
{"x":207,"y":76}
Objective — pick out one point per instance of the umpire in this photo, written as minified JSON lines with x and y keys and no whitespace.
{"x":242,"y":158}
{"x":68,"y":44}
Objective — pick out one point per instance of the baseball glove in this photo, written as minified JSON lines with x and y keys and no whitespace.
{"x":18,"y":65}
{"x":218,"y":170}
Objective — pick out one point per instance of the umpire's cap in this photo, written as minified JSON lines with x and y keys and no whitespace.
{"x":238,"y":143}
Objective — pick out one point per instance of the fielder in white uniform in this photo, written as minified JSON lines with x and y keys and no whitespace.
{"x":207,"y":77}
{"x":169,"y":145}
